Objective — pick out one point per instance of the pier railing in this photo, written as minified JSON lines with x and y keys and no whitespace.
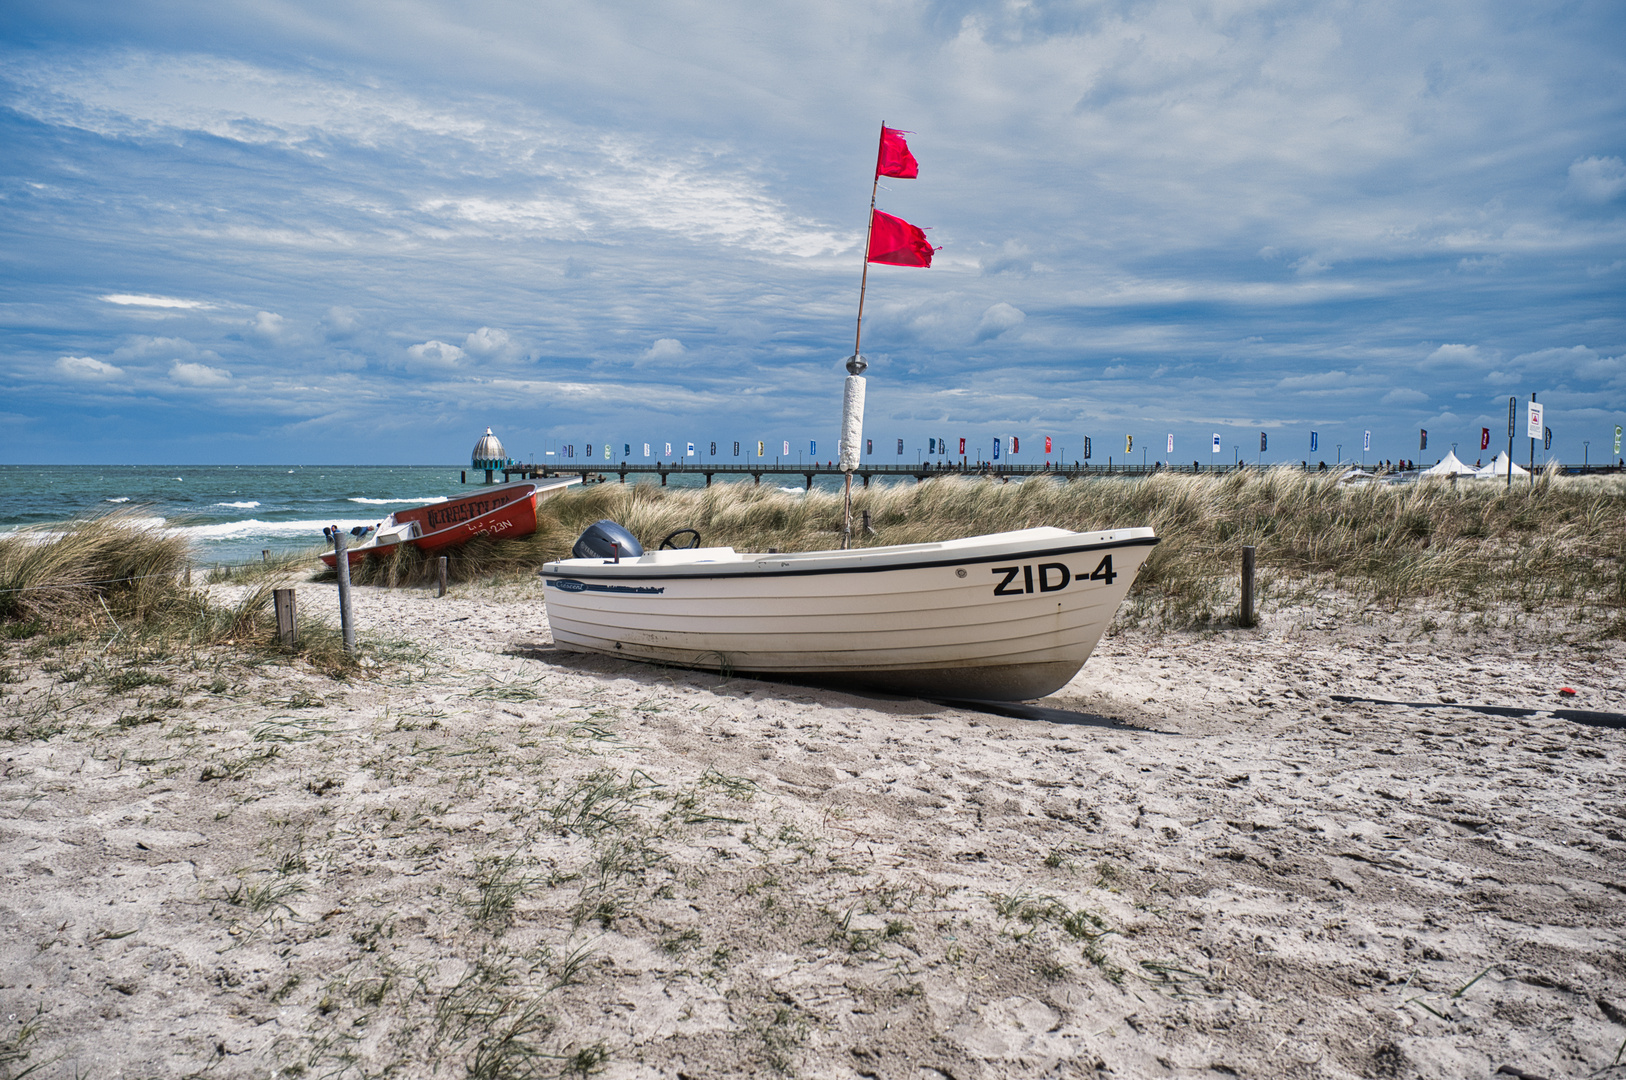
{"x":922,"y":471}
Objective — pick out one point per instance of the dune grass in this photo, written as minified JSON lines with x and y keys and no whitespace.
{"x":113,"y":576}
{"x":1472,"y":545}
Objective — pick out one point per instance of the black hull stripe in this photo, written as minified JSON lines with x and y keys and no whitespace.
{"x":689,"y":570}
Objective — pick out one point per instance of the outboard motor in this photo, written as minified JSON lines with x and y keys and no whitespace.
{"x":606,"y":540}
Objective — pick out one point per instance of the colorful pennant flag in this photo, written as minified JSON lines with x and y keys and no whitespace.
{"x":894,"y":158}
{"x":1047,"y":444}
{"x":895,"y":242}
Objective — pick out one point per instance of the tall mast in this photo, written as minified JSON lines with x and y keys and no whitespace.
{"x":869,"y":227}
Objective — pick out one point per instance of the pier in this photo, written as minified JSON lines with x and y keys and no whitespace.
{"x":921,"y":471}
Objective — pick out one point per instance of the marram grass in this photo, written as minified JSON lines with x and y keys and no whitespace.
{"x":1473,"y":545}
{"x":113,"y":575}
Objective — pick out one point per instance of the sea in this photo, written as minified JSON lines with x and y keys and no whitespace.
{"x":232,"y":513}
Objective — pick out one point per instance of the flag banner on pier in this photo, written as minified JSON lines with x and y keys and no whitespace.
{"x":869,"y":446}
{"x":1216,"y":442}
{"x":1512,"y":410}
{"x":1170,"y":450}
{"x":589,"y":451}
{"x":1484,"y":438}
{"x":1016,"y":445}
{"x":736,"y":448}
{"x":762,"y":448}
{"x":1314,"y":439}
{"x":812,"y":447}
{"x":1422,"y":441}
{"x":894,"y":158}
{"x":1546,"y":438}
{"x":1532,"y":427}
{"x":942,"y":445}
{"x":1047,"y":444}
{"x":713,"y":449}
{"x":900,"y":447}
{"x":962,"y":443}
{"x":786,"y":452}
{"x":668,"y":450}
{"x":691,"y":451}
{"x":1366,"y":442}
{"x":606,"y":451}
{"x":1617,"y":438}
{"x":1264,"y":444}
{"x":1129,"y":444}
{"x":646,"y":449}
{"x":996,"y":449}
{"x":895,"y":242}
{"x":931,"y":446}
{"x":1086,"y":448}
{"x":626,"y":450}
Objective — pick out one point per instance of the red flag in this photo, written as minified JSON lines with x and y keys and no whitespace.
{"x":962,"y":445}
{"x":1047,"y":444}
{"x":1484,"y":438}
{"x":894,"y":158}
{"x":895,"y":242}
{"x":1015,"y":445}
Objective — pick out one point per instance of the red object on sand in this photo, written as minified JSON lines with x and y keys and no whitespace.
{"x":508,"y":512}
{"x":1566,"y":691}
{"x":895,"y":242}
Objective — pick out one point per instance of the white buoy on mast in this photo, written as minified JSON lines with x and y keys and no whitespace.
{"x":852,"y":436}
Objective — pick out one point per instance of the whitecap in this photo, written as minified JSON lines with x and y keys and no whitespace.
{"x":386,"y":502}
{"x":237,"y":530}
{"x":120,"y":499}
{"x":240,"y":505}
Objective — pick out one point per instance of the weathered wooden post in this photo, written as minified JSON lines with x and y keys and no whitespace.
{"x":341,"y":566}
{"x":265,"y":554}
{"x":1247,"y":586}
{"x":287,"y":619}
{"x":442,"y":569}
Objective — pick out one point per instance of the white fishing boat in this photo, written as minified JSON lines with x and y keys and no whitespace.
{"x":1008,"y":616}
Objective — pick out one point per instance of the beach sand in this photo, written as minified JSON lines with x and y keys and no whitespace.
{"x":487,"y":857}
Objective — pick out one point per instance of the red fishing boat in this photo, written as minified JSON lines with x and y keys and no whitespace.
{"x":508,"y":512}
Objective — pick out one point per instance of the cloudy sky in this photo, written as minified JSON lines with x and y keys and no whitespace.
{"x":282,"y":231}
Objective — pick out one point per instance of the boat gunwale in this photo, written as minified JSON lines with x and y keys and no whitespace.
{"x":757,"y":568}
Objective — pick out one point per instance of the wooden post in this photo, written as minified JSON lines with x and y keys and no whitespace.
{"x":287,"y":620}
{"x":442,"y":570}
{"x":265,"y":554}
{"x":341,"y":566}
{"x":1248,"y":618}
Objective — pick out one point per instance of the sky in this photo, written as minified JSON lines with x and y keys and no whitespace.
{"x":349,"y":232}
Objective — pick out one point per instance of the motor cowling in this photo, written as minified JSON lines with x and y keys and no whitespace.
{"x":606,"y":540}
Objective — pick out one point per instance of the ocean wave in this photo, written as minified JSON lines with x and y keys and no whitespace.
{"x":251,"y":505}
{"x":239,"y":530}
{"x":386,"y":502}
{"x":120,"y":499}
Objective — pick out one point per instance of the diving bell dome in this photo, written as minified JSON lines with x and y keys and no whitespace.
{"x":488,"y":452}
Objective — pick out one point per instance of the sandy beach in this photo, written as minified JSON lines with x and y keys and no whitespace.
{"x":485,"y":857}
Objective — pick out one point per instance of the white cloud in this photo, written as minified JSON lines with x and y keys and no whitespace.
{"x":340,"y":323}
{"x":142,"y":347}
{"x":665,"y":348}
{"x":1403,"y":395}
{"x":141,"y":300}
{"x":436,"y":354}
{"x":997,"y":320}
{"x":1457,"y":356}
{"x":1321,"y":380}
{"x":1598,"y":179}
{"x":87,"y":367}
{"x":189,"y":374}
{"x":487,"y":343}
{"x":270,"y":328}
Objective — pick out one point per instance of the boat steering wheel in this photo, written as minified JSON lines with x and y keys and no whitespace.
{"x":666,"y":541}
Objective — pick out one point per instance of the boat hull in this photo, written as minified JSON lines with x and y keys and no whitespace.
{"x":1004,"y":617}
{"x":505,"y":513}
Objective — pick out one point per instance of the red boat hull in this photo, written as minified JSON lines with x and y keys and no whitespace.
{"x":506,"y":513}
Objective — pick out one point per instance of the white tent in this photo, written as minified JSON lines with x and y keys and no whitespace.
{"x":1450,"y":466}
{"x":1499,"y":468}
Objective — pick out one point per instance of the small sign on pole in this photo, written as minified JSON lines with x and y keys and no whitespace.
{"x":1533,"y":425}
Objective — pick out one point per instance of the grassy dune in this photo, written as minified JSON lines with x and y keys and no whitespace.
{"x":1470,"y":546}
{"x":112,"y":577}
